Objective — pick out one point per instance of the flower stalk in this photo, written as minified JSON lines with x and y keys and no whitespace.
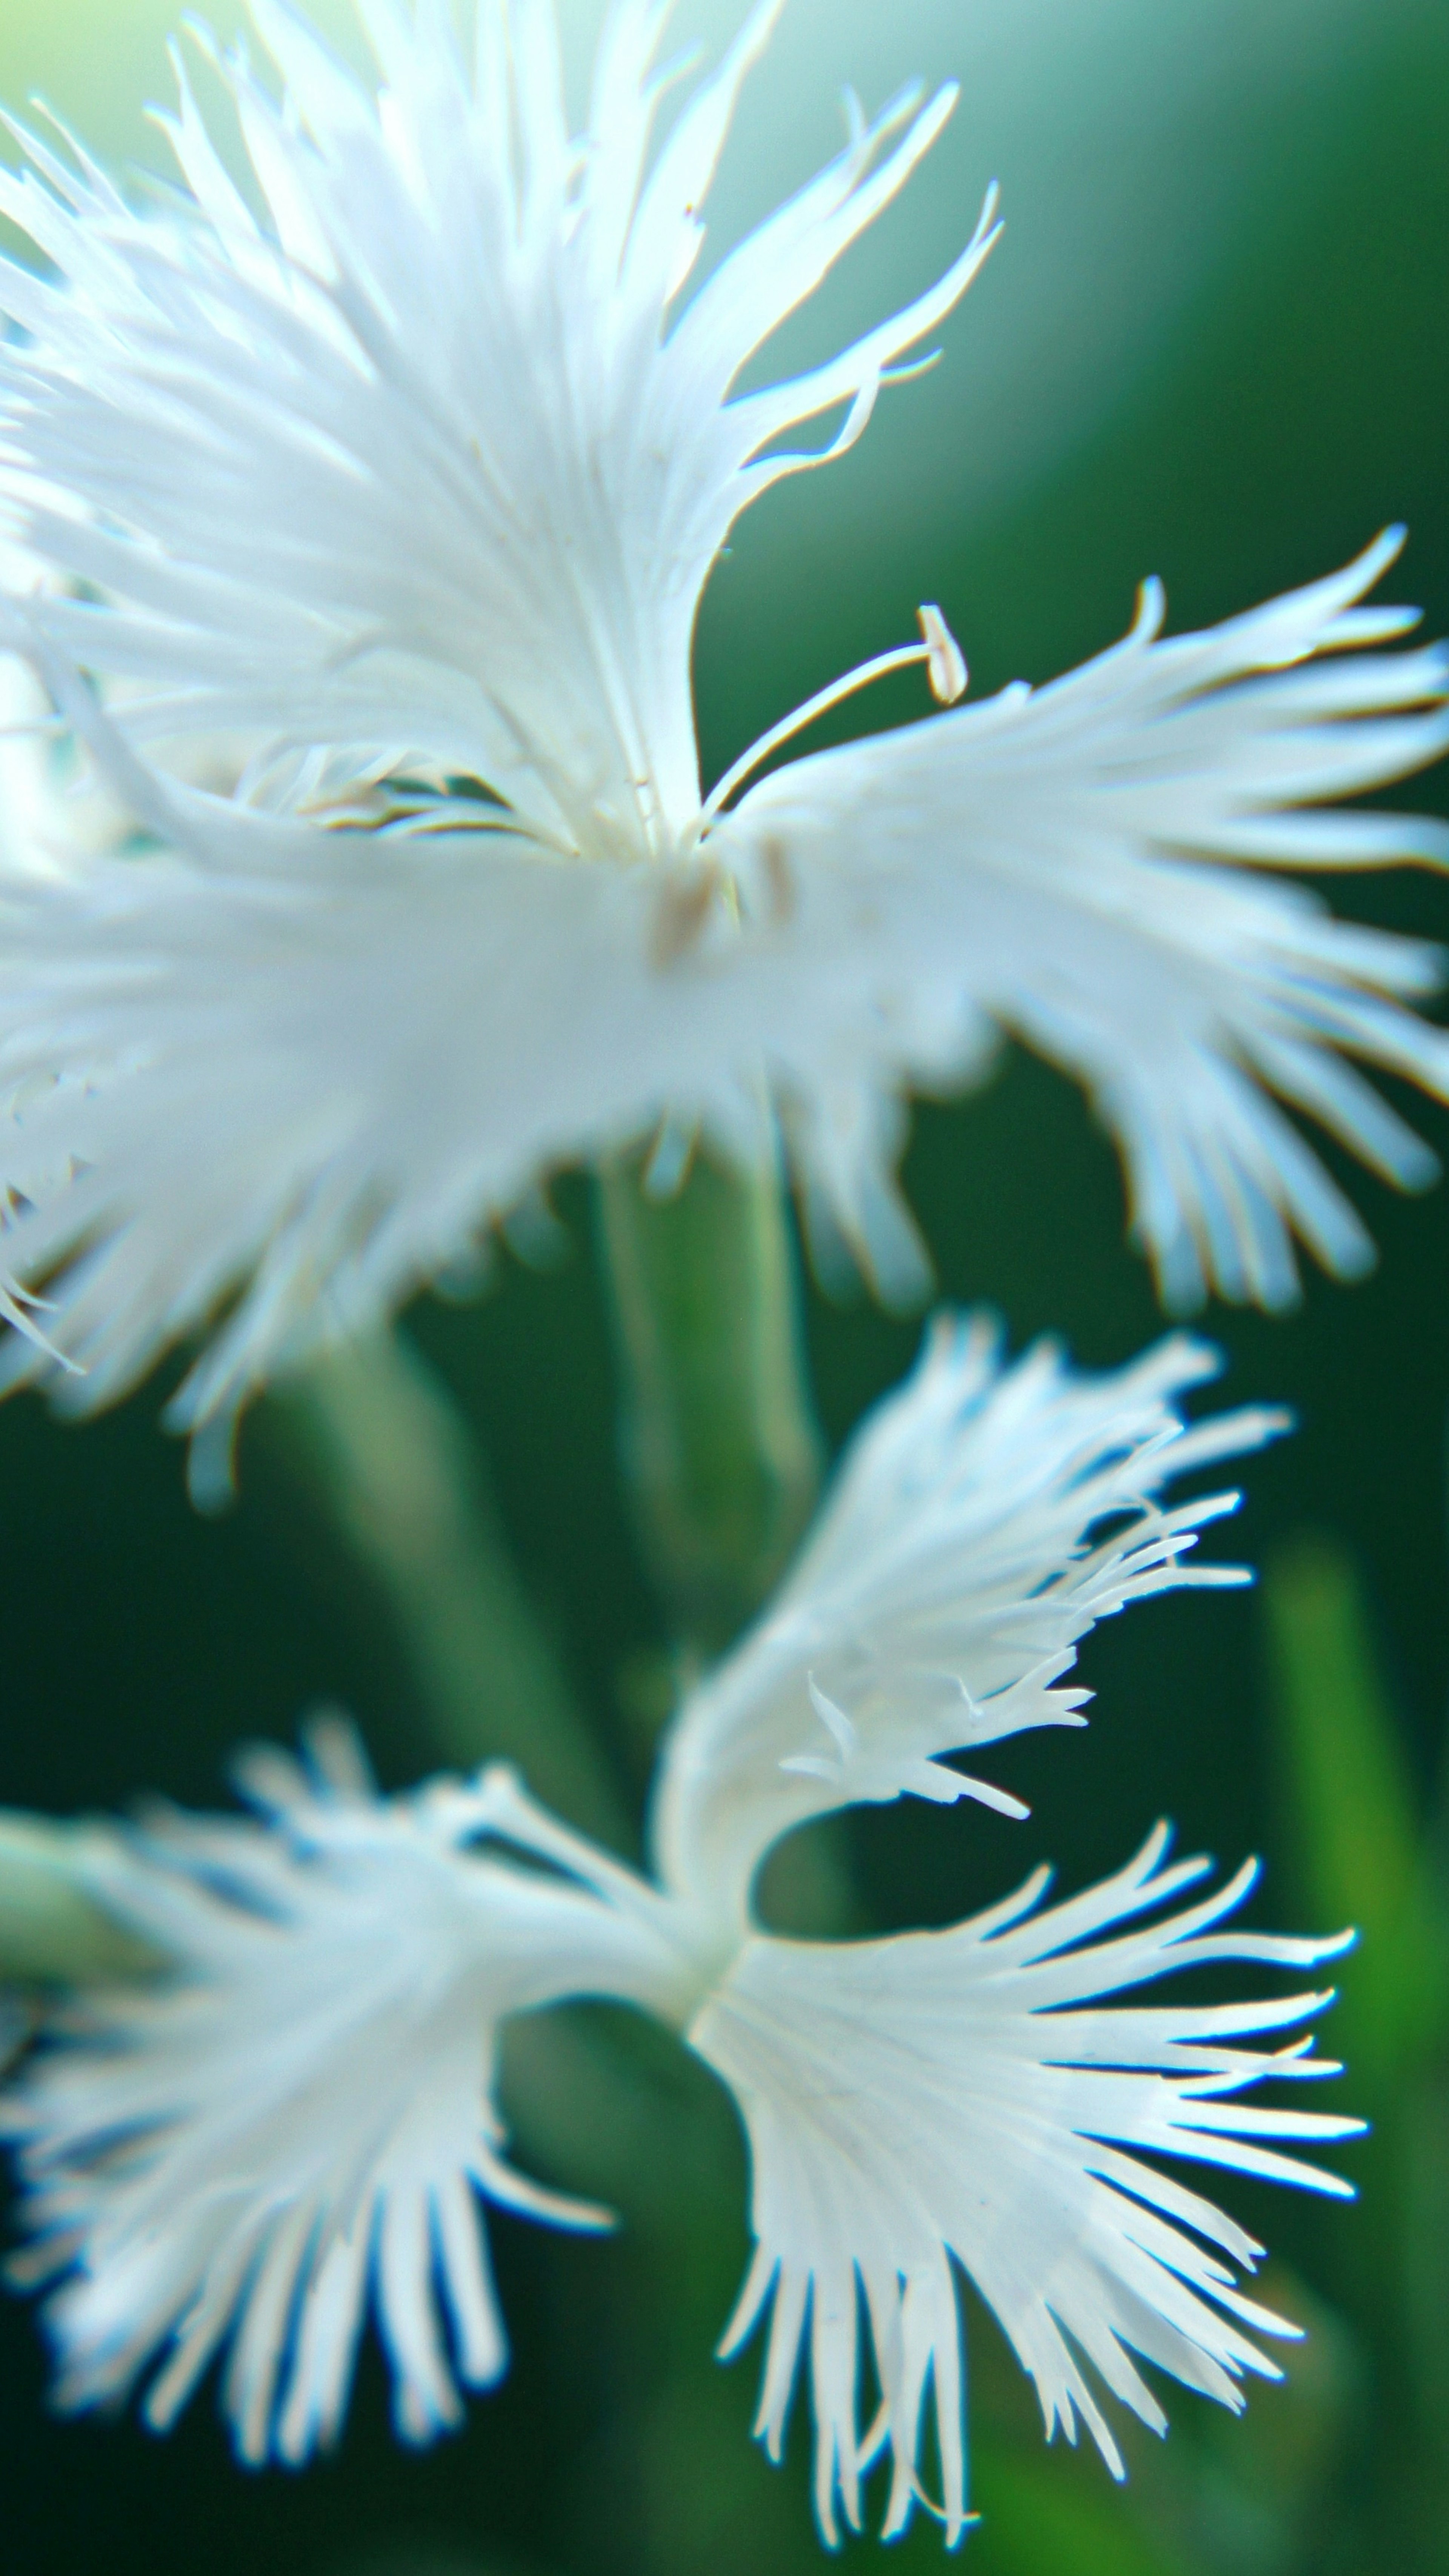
{"x":377,"y":1442}
{"x":720,"y":1448}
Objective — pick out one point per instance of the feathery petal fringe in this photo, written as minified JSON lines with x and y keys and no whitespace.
{"x":941,"y":1596}
{"x":297,"y":2123}
{"x":965,"y":2097}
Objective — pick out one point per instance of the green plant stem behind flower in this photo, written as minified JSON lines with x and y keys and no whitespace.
{"x":719,"y":1444}
{"x":375,"y":1439}
{"x":720,"y":1448}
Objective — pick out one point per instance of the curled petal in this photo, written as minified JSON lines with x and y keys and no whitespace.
{"x":983,"y":1519}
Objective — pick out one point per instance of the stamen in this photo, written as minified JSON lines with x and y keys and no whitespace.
{"x":945,"y":661}
{"x":946,"y":667}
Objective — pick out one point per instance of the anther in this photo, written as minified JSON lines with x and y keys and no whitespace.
{"x":945,"y":661}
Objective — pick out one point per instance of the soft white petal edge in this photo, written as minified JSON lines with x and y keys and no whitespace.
{"x":1080,"y":865}
{"x":284,"y":1076}
{"x":297,"y":2123}
{"x":428,"y":468}
{"x":964,"y":2097}
{"x":940,"y":1597}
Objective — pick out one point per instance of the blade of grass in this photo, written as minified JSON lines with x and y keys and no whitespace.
{"x":1360,"y":1849}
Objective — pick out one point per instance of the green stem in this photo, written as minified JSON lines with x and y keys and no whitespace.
{"x":718,"y":1438}
{"x":374,"y":1436}
{"x":720,"y":1446}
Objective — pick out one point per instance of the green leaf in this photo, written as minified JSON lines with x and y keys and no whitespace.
{"x":1361,"y":1853}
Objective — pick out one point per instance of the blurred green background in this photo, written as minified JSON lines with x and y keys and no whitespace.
{"x":1211,"y":345}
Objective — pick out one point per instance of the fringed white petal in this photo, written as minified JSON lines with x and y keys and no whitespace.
{"x":967,"y":2097}
{"x":53,"y":816}
{"x":419,"y":470}
{"x":1078,"y":865}
{"x":297,"y":2123}
{"x":940,"y":1598}
{"x":290,"y":1075}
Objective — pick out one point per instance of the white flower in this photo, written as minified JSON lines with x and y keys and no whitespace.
{"x":414,"y":485}
{"x":304,"y":2108}
{"x":300,"y":2119}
